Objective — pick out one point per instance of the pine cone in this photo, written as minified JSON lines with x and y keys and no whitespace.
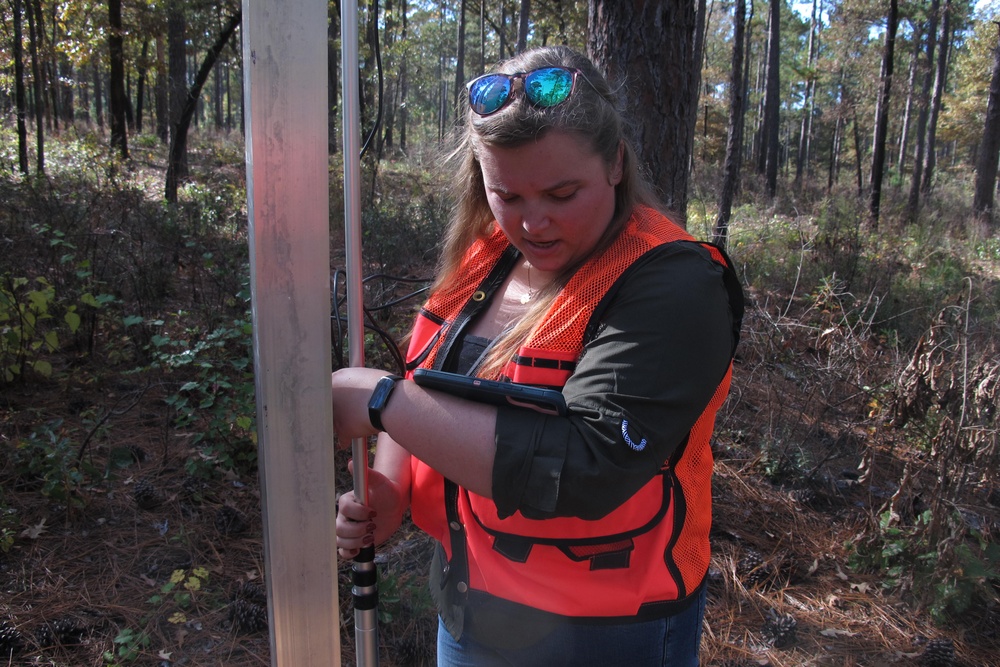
{"x":248,"y":608}
{"x":247,"y":616}
{"x":62,"y":631}
{"x":804,"y":497}
{"x":229,"y":521}
{"x":779,"y":629}
{"x":938,"y":653}
{"x":146,"y":495}
{"x":751,"y":569}
{"x":11,"y":641}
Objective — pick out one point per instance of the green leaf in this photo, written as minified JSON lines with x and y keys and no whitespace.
{"x":131,"y":320}
{"x":88,"y":299}
{"x":43,"y":368}
{"x":72,"y":320}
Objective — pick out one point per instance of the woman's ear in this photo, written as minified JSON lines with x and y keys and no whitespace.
{"x":615,"y":172}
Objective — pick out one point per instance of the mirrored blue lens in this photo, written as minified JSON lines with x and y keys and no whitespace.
{"x":548,"y":87}
{"x":489,"y":93}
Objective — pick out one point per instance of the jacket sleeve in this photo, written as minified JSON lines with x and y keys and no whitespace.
{"x":662,"y":342}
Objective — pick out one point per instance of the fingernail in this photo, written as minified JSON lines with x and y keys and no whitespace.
{"x":368,"y":540}
{"x":373,"y":514}
{"x":370,"y":528}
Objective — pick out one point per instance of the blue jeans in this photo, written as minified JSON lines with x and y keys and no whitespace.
{"x":666,"y":642}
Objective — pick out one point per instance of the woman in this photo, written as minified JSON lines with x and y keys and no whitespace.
{"x":579,"y":539}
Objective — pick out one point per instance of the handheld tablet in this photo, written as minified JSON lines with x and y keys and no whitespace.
{"x":548,"y":401}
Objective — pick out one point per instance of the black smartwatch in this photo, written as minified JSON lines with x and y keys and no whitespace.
{"x":377,"y":403}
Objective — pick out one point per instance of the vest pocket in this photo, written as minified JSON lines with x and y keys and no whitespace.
{"x":607,"y":543}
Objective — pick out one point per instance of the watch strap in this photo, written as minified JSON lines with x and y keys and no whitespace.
{"x":380,"y":397}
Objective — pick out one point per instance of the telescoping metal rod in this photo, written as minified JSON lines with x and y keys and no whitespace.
{"x":365,"y":574}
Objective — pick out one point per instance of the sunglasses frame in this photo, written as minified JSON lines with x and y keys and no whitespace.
{"x":522,"y":77}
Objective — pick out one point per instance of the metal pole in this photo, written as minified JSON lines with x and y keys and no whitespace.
{"x":285,"y":75}
{"x":364,"y":574}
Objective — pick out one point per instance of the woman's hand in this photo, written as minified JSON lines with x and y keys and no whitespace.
{"x":360,"y":525}
{"x":352,"y":389}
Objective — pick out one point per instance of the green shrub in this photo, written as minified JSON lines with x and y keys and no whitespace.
{"x":214,"y":398}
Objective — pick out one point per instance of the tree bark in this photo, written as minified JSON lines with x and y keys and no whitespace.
{"x":734,"y":135}
{"x":459,"y":61}
{"x":20,"y":101}
{"x":882,"y":114}
{"x":904,"y":133}
{"x":332,"y":80}
{"x":944,"y":48}
{"x":649,"y":46}
{"x":177,"y":77}
{"x":39,"y":95}
{"x":116,"y":50}
{"x":913,"y":202}
{"x":162,"y":92}
{"x":522,"y":26}
{"x":178,"y":142}
{"x":989,"y":149}
{"x":772,"y":99}
{"x":140,"y":87}
{"x":805,"y":131}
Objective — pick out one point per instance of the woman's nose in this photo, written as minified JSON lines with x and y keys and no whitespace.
{"x":534,"y":219}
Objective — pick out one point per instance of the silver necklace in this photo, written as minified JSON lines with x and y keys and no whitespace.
{"x":529,"y":295}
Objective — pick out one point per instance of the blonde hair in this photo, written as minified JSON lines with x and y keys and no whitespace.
{"x":591,"y":115}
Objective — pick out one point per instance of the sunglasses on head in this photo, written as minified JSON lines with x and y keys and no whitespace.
{"x":544,"y":87}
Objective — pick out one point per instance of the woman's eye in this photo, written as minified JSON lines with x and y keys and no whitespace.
{"x":563,"y":195}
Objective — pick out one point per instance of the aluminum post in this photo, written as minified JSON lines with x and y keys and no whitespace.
{"x":285,"y":75}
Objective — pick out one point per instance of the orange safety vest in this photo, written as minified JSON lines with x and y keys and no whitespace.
{"x":644,"y":557}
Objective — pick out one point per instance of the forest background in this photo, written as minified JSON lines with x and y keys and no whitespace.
{"x":844,"y":151}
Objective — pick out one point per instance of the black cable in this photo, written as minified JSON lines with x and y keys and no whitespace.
{"x":338,"y":320}
{"x":378,"y":67}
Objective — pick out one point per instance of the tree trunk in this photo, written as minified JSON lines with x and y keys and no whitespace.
{"x":140,"y":87}
{"x":944,"y":48}
{"x":218,"y":73}
{"x":332,"y":80}
{"x":162,"y":92}
{"x":772,"y":99}
{"x":177,"y":77}
{"x":459,"y":61}
{"x":39,"y":95}
{"x":805,"y":130}
{"x":119,"y":131}
{"x":648,"y":46}
{"x":482,"y":37}
{"x":98,"y":94}
{"x":178,"y":143}
{"x":734,"y":135}
{"x":522,"y":26}
{"x":404,"y":82}
{"x":913,"y":203}
{"x":989,"y":148}
{"x":882,"y":113}
{"x":20,"y":101}
{"x":904,"y":133}
{"x":39,"y":65}
{"x":834,"y":170}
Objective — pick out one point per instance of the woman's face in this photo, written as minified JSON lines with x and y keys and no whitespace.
{"x":553,"y":198}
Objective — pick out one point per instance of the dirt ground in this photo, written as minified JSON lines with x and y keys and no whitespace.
{"x":84,"y":578}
